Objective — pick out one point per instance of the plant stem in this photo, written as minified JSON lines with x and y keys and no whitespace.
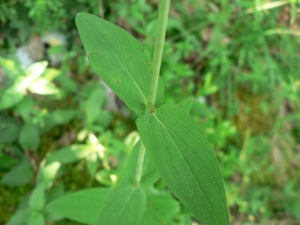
{"x":163,"y":12}
{"x":140,"y":163}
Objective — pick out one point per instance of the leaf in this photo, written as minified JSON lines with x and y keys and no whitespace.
{"x":20,"y":217}
{"x":37,"y":198}
{"x":160,"y":210}
{"x":149,"y":173}
{"x":81,"y":206}
{"x":186,"y":162}
{"x":36,"y":218}
{"x":19,"y":175}
{"x":29,"y":137}
{"x":11,"y":96}
{"x":119,"y":59}
{"x":72,"y":153}
{"x":186,"y":104}
{"x":48,"y":173}
{"x":94,"y":104}
{"x":26,"y":108}
{"x":42,"y":86}
{"x":9,"y":129}
{"x":123,"y":205}
{"x":16,"y":91}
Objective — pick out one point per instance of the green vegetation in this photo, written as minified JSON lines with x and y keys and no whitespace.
{"x":232,"y":65}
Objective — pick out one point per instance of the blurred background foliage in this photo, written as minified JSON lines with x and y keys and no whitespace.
{"x":238,"y":59}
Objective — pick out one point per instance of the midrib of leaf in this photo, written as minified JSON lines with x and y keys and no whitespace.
{"x":122,"y":63}
{"x":168,"y":133}
{"x":124,"y":206}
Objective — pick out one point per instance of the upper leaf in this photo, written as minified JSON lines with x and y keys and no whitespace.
{"x":119,"y":59}
{"x":186,"y":162}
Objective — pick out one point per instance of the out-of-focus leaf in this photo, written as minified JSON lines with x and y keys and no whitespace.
{"x":94,"y":105}
{"x":19,"y":175}
{"x":92,"y":163}
{"x":58,"y":117}
{"x":81,"y":206}
{"x":29,"y":137}
{"x":37,"y":198}
{"x":25,"y":108}
{"x":42,"y":86}
{"x":11,"y":96}
{"x":12,"y":69}
{"x":47,"y":173}
{"x":20,"y":217}
{"x":186,"y":104}
{"x":36,"y":218}
{"x":73,"y":153}
{"x":9,"y":130}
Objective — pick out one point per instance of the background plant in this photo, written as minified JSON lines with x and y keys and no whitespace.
{"x":242,"y":55}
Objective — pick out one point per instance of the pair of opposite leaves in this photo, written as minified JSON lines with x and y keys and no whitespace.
{"x":176,"y":144}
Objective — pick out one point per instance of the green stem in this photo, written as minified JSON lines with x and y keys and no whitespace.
{"x":163,"y":12}
{"x":140,"y":163}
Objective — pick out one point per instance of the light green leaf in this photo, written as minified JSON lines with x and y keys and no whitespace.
{"x":186,"y":104}
{"x":16,"y":91}
{"x":11,"y":96}
{"x":149,"y":173}
{"x":119,"y":59}
{"x":36,"y":218}
{"x":37,"y":198}
{"x":123,"y":205}
{"x":48,"y":173}
{"x":82,"y":206}
{"x":29,"y":137}
{"x":43,"y":86}
{"x":186,"y":162}
{"x":12,"y":68}
{"x":73,"y":153}
{"x":92,"y":164}
{"x":94,"y":104}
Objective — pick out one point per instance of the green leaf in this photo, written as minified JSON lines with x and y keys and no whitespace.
{"x":16,"y":92}
{"x":36,"y":218}
{"x":29,"y":137}
{"x":119,"y":59}
{"x":42,"y":86}
{"x":37,"y":198}
{"x":19,"y":175}
{"x":48,"y":173}
{"x":186,"y":162}
{"x":160,"y":209}
{"x":26,"y":108}
{"x":11,"y":96}
{"x":186,"y":104}
{"x":149,"y":173}
{"x":9,"y":129}
{"x":73,"y":153}
{"x":94,"y":104}
{"x":81,"y":206}
{"x":20,"y":217}
{"x":125,"y":204}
